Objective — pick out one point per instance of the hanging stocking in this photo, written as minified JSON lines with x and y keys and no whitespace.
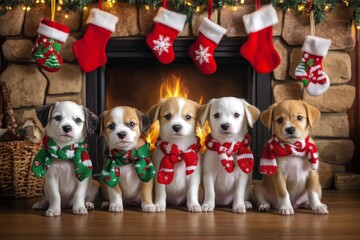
{"x":167,"y":27}
{"x":259,"y":49}
{"x":47,"y":47}
{"x":310,"y":71}
{"x":90,"y":50}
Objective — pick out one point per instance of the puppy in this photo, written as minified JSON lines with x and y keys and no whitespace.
{"x":127,"y":157}
{"x":63,"y":160}
{"x":289,"y":160}
{"x":176,"y":157}
{"x":224,"y":182}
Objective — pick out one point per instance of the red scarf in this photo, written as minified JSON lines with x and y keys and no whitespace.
{"x":275,"y":148}
{"x":244,"y":156}
{"x":173,"y":154}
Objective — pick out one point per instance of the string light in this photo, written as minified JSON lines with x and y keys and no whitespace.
{"x":147,"y":7}
{"x":242,"y":1}
{"x":301,"y":7}
{"x":198,"y":9}
{"x":85,"y":8}
{"x":234,"y":8}
{"x":66,"y":16}
{"x":58,"y":8}
{"x":326,"y":8}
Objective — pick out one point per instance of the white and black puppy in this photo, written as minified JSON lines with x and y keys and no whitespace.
{"x":228,"y":161}
{"x":176,"y":158}
{"x":67,"y":125}
{"x":123,"y":128}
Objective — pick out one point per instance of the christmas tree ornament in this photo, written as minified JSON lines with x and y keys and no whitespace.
{"x":46,"y":50}
{"x":259,"y":49}
{"x":90,"y":49}
{"x":167,"y":27}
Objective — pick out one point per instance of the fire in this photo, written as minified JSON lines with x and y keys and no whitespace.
{"x":172,"y":86}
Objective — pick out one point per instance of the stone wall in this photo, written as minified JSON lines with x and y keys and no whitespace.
{"x":32,"y":86}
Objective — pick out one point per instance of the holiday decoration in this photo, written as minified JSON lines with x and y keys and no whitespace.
{"x":47,"y":47}
{"x":310,"y":71}
{"x":259,"y":49}
{"x":202,"y":51}
{"x":276,"y":148}
{"x":116,"y":158}
{"x":90,"y":50}
{"x":167,"y":27}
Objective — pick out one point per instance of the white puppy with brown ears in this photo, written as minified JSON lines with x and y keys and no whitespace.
{"x":176,"y":158}
{"x":227,"y":181}
{"x":289,"y":160}
{"x":64,"y":160}
{"x":127,"y":173}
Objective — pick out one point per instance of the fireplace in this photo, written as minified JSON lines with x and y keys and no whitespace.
{"x":134,"y":77}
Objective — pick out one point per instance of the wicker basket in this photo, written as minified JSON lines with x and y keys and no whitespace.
{"x":16,"y":178}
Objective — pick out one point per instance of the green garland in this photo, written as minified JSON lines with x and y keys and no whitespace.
{"x":191,"y":7}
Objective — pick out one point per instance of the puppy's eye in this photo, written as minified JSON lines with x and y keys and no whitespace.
{"x":188,"y":117}
{"x":58,"y":118}
{"x":300,"y":118}
{"x":236,"y":115}
{"x":131,"y":124}
{"x":216,"y":115}
{"x":111,"y":126}
{"x":280,"y":120}
{"x":78,"y":120}
{"x":167,"y":116}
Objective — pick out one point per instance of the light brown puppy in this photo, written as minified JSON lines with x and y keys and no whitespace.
{"x":295,"y":184}
{"x":123,"y":128}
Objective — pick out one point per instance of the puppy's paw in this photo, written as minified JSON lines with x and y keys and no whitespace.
{"x":248,"y":205}
{"x":105,"y":205}
{"x":89,"y":206}
{"x":148,"y":208}
{"x":160,"y":207}
{"x":194,"y":207}
{"x":116,"y":208}
{"x":239,"y":208}
{"x":79,"y":210}
{"x":321,"y":209}
{"x":52,"y":212}
{"x":208,"y":207}
{"x":286,"y":211}
{"x":42,"y":205}
{"x":264,"y":207}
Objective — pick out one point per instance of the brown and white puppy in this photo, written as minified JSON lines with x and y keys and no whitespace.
{"x":295,"y":184}
{"x":123,"y":128}
{"x":229,"y":118}
{"x":177,"y":118}
{"x":66,"y":123}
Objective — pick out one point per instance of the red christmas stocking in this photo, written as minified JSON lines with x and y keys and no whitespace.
{"x":202,"y":51}
{"x":47,"y":47}
{"x":259,"y":49}
{"x":167,"y":27}
{"x":90,"y":50}
{"x":310,"y":71}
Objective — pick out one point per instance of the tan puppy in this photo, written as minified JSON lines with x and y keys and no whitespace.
{"x":293,"y":182}
{"x":123,"y":128}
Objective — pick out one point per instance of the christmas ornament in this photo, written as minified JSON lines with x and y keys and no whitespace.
{"x":167,"y":27}
{"x":310,"y":70}
{"x":259,"y":49}
{"x":90,"y":50}
{"x":47,"y":47}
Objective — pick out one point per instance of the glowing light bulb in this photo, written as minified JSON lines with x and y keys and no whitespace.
{"x":66,"y":16}
{"x":198,"y":9}
{"x":234,"y":8}
{"x":58,"y":8}
{"x":147,"y":7}
{"x":242,"y":1}
{"x":301,"y":7}
{"x":85,"y":8}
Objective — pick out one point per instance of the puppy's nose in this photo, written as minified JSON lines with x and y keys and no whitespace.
{"x":67,"y":128}
{"x":225,"y":126}
{"x":121,"y":135}
{"x":290,"y":130}
{"x":177,"y":127}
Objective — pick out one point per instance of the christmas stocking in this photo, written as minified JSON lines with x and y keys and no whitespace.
{"x":259,"y":49}
{"x":202,"y":51}
{"x":90,"y":50}
{"x":310,"y":71}
{"x":47,"y":47}
{"x":167,"y":27}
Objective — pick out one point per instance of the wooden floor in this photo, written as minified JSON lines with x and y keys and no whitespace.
{"x":19,"y":221}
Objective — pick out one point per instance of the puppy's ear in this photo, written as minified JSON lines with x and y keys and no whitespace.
{"x":203,"y":112}
{"x":100,"y":127}
{"x":145,"y":121}
{"x":43,"y":113}
{"x":313,"y":114}
{"x":154,"y":112}
{"x":252,"y":113}
{"x":266,"y":116}
{"x":91,"y":121}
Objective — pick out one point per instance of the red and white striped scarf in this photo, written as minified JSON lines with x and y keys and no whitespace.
{"x":275,"y":148}
{"x":173,"y":154}
{"x":243,"y":154}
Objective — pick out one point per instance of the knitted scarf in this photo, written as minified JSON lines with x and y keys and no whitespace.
{"x":173,"y":154}
{"x":241,"y":150}
{"x":77,"y":153}
{"x":116,"y":158}
{"x":275,"y":148}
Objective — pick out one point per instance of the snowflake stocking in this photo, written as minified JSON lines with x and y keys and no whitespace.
{"x":46,"y":50}
{"x":259,"y":49}
{"x":202,"y":51}
{"x":167,"y":27}
{"x":310,"y":71}
{"x":90,"y":50}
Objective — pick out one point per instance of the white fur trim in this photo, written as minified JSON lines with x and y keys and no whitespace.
{"x":245,"y":155}
{"x":260,"y":19}
{"x":166,"y":169}
{"x":211,"y":30}
{"x":171,"y":19}
{"x":52,"y":33}
{"x":316,"y":45}
{"x":267,"y":162}
{"x":102,"y":19}
{"x":190,"y":168}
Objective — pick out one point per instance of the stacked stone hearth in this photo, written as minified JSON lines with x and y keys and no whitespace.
{"x":30,"y":86}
